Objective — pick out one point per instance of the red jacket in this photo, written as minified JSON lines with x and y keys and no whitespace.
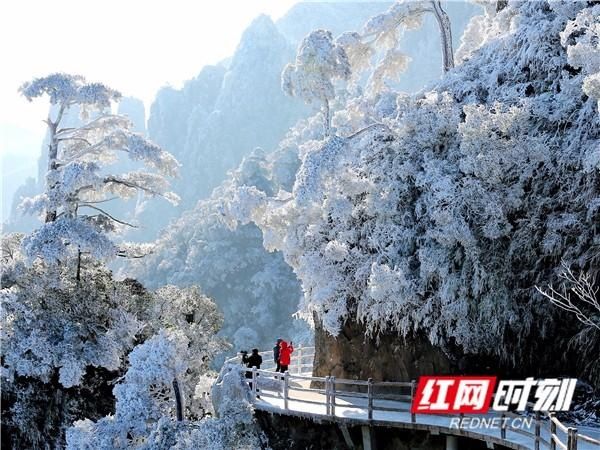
{"x":285,"y":353}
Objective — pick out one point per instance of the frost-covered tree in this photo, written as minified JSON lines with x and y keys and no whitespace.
{"x":440,"y":220}
{"x":581,"y":37}
{"x":585,"y":306}
{"x":199,"y":320}
{"x":62,"y":342}
{"x":145,"y":409}
{"x":78,"y":179}
{"x":381,"y":35}
{"x":319,"y":62}
{"x":146,"y":395}
{"x":69,"y":340}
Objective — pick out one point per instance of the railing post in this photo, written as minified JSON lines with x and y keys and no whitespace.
{"x":552,"y":432}
{"x":537,"y":430}
{"x":332,"y":395}
{"x":503,"y":426}
{"x":286,"y":385}
{"x":327,"y":404}
{"x":300,"y":360}
{"x":254,"y":382}
{"x":571,"y":438}
{"x":413,"y":386}
{"x":370,"y":398}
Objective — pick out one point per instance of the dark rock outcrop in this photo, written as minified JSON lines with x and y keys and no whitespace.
{"x":353,"y":355}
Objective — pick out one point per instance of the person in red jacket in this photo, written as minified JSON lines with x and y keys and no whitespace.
{"x":285,"y":355}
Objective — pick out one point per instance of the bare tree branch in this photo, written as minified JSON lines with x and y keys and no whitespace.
{"x":108,"y":215}
{"x":586,"y":306}
{"x":98,"y":201}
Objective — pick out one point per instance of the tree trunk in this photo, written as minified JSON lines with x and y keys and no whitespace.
{"x":326,"y":118}
{"x":52,"y":159}
{"x":445,"y":35}
{"x":178,"y":403}
{"x":52,"y":166}
{"x":78,"y":276}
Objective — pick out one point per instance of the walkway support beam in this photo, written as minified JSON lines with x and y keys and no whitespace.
{"x":347,"y":437}
{"x":451,"y":443}
{"x":366,"y":436}
{"x":328,"y":395}
{"x":538,"y":430}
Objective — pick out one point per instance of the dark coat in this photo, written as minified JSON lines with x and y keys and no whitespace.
{"x":276,"y":352}
{"x":254,"y":360}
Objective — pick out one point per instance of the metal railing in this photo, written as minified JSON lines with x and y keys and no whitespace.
{"x":377,"y":398}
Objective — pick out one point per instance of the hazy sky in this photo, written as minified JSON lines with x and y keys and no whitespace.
{"x":135,"y":46}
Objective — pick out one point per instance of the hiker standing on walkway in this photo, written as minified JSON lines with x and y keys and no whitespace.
{"x":276,"y":355}
{"x":254,"y":360}
{"x":285,"y":355}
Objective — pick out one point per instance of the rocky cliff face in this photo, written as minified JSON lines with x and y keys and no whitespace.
{"x":223,"y":114}
{"x":354,"y":356}
{"x":250,"y":111}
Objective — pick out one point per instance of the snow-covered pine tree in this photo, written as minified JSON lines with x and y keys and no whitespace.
{"x":79,"y":181}
{"x":319,"y":62}
{"x":68,"y":339}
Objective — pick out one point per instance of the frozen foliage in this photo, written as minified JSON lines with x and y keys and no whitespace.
{"x":71,"y":90}
{"x":143,"y":397}
{"x":381,"y":35}
{"x":443,"y":218}
{"x":197,"y":318}
{"x":587,"y":307}
{"x":581,"y":37}
{"x":51,"y":323}
{"x":316,"y":166}
{"x":60,"y":339}
{"x":66,"y":236}
{"x":319,"y":62}
{"x":78,"y":179}
{"x":65,"y":335}
{"x":144,"y":416}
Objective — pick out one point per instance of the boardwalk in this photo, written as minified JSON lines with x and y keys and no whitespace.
{"x":368,"y":403}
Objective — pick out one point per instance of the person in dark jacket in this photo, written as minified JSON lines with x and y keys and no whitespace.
{"x":254,"y":360}
{"x":276,"y":355}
